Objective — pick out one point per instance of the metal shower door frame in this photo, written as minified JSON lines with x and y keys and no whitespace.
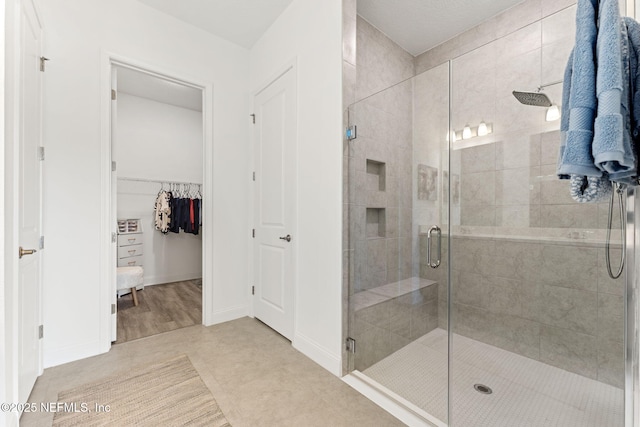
{"x":631,"y":309}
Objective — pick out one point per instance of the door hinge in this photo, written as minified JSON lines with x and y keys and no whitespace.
{"x":43,"y":60}
{"x":114,"y":96}
{"x":40,"y":153}
{"x":351,"y":133}
{"x":254,"y":176}
{"x":41,"y":245}
{"x":113,"y":309}
{"x":40,"y":331}
{"x":114,"y":166}
{"x":114,"y":237}
{"x":253,"y":290}
{"x":253,"y":118}
{"x":350,"y":345}
{"x":253,"y":233}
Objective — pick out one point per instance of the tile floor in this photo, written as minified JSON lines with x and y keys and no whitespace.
{"x":526,"y":393}
{"x":256,"y":376}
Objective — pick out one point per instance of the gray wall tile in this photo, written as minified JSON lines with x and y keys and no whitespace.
{"x":569,"y":350}
{"x":605,"y":283}
{"x":611,"y":363}
{"x":549,"y":147}
{"x":569,"y":266}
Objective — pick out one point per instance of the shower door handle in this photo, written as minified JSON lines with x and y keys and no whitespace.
{"x":433,"y":228}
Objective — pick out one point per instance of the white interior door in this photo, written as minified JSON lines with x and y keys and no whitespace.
{"x":275,"y":203}
{"x":30,"y":202}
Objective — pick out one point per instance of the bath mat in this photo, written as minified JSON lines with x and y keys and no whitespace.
{"x":167,"y":393}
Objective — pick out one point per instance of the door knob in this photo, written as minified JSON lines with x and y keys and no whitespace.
{"x":23,"y":252}
{"x":287,"y":238}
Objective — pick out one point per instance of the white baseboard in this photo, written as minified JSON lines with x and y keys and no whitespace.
{"x":318,"y":354}
{"x":391,"y":402}
{"x":228,"y":314}
{"x":161,"y":280}
{"x":59,"y":356}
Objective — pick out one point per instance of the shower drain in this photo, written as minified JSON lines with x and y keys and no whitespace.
{"x":481,"y":388}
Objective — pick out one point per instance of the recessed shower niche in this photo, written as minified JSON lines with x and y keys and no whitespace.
{"x":376,"y":185}
{"x":376,"y":172}
{"x":376,"y":223}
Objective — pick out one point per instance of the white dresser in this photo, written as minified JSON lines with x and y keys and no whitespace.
{"x":130,"y":247}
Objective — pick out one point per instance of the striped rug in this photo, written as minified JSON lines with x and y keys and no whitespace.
{"x":167,"y":393}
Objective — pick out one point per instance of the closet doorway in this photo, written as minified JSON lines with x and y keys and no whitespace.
{"x":157,"y":150}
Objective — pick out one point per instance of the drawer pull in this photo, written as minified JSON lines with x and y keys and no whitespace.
{"x":132,"y":251}
{"x":131,"y":263}
{"x":131,"y":240}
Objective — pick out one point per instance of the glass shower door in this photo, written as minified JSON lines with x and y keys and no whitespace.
{"x":397,"y":192}
{"x":537,"y":335}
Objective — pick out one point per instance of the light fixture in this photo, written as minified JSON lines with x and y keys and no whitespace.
{"x":482,"y":129}
{"x":553,"y":113}
{"x":466,"y":132}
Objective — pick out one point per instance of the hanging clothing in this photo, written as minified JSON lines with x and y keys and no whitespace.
{"x":186,"y":216}
{"x":162,"y":212}
{"x":195,"y":219}
{"x":175,"y":212}
{"x":174,"y":225}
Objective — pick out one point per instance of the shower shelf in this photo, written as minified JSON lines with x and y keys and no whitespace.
{"x":376,"y":223}
{"x":376,"y":175}
{"x":374,"y":296}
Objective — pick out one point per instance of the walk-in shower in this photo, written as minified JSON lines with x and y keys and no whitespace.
{"x":478,"y":291}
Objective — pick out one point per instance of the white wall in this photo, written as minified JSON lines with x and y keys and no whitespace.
{"x":164,"y":142}
{"x":79,"y":32}
{"x":311,"y":32}
{"x":157,"y":140}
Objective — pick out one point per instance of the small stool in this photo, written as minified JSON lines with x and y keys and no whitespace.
{"x":130,"y":278}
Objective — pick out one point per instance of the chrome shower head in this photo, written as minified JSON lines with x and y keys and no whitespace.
{"x":537,"y":99}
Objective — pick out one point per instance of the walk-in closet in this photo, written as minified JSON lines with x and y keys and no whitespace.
{"x":157,"y":143}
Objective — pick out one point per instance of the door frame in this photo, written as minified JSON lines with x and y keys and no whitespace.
{"x":107,"y":222}
{"x":290,"y":66}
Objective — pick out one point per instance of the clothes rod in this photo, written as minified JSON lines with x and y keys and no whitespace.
{"x":157,"y":181}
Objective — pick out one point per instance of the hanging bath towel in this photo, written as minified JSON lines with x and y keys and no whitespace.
{"x":613,"y":149}
{"x":579,"y":98}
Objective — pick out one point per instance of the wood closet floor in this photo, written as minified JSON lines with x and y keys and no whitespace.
{"x":161,"y":308}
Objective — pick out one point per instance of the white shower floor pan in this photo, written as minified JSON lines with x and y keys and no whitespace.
{"x":525,"y":392}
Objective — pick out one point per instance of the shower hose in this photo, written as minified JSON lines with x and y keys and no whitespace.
{"x":619,"y":190}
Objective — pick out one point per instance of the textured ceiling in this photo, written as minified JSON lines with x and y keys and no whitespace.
{"x":239,"y":21}
{"x":157,"y":89}
{"x":419,"y":25}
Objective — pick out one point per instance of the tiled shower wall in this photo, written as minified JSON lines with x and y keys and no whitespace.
{"x":513,"y":183}
{"x":380,"y":190}
{"x":377,"y":237}
{"x":549,"y":301}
